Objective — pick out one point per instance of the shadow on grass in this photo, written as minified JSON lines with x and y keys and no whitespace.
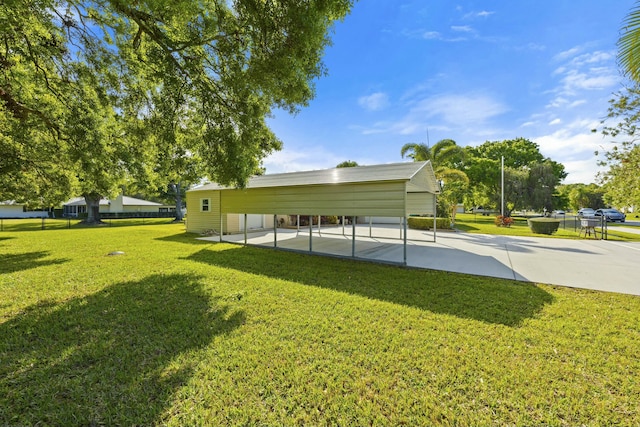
{"x":485,"y":299}
{"x":189,"y":238}
{"x":19,"y":262}
{"x":106,"y":359}
{"x":6,"y":238}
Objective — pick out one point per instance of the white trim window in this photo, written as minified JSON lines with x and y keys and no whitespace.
{"x":205,"y":205}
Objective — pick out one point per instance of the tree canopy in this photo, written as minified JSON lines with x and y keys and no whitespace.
{"x":347,"y":164}
{"x":621,"y":182}
{"x":530,"y":178}
{"x":93,"y":93}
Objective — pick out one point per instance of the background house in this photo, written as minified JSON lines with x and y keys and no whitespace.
{"x":121,"y":205}
{"x":12,"y":209}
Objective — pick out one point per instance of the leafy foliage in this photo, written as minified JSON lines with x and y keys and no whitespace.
{"x":621,"y":182}
{"x":530,"y":178}
{"x":629,"y":45}
{"x":96,"y":94}
{"x":543,"y":225}
{"x":347,"y":164}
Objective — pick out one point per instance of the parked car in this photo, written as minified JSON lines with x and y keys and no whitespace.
{"x":611,"y":214}
{"x":558,"y":212}
{"x":586,"y":213}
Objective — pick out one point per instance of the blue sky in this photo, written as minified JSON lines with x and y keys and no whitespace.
{"x":471,"y":71}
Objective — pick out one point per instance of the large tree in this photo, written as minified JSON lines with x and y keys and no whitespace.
{"x":621,"y":182}
{"x":530,"y":178}
{"x":80,"y":81}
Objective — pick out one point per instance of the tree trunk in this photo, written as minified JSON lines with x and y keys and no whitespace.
{"x":93,"y":209}
{"x":177,"y":190}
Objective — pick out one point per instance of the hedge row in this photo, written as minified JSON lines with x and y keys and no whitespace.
{"x":543,"y":225}
{"x":426,"y":223}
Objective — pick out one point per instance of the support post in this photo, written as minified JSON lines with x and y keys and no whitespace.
{"x":221,"y":225}
{"x":401,"y":227}
{"x":435,"y":213}
{"x":319,"y":218}
{"x":245,"y":229}
{"x":370,"y":224}
{"x":343,"y":225}
{"x":310,"y":233}
{"x":275,"y":230}
{"x":353,"y":236}
{"x":404,"y":255}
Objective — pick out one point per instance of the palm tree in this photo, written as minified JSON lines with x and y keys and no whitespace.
{"x":443,"y":153}
{"x":629,"y":45}
{"x":445,"y":156}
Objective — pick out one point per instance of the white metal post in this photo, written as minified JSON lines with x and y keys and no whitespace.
{"x":353,"y":236}
{"x":310,"y":233}
{"x":404,"y":256}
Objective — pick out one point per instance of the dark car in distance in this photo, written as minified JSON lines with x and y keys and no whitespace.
{"x":610,"y":214}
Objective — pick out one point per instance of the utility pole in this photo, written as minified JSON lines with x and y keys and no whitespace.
{"x":502,"y":188}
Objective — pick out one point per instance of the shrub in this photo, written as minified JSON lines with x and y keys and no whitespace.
{"x":543,"y":225}
{"x":504,"y":221}
{"x":426,"y":223}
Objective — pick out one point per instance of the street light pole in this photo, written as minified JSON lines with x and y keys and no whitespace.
{"x":502,"y":187}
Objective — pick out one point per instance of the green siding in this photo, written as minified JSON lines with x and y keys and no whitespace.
{"x":197,"y":221}
{"x":379,"y":199}
{"x":420,"y":203}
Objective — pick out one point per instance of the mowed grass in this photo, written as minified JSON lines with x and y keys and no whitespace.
{"x":569,"y":228}
{"x":183,"y":332}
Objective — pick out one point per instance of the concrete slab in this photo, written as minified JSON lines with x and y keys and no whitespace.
{"x":587,"y":263}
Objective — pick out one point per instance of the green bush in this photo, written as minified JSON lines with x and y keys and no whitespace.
{"x":426,"y":223}
{"x":543,"y":225}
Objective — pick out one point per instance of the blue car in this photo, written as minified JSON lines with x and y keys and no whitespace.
{"x":610,"y":214}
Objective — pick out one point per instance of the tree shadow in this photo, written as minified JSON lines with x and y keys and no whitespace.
{"x":19,"y":262}
{"x":6,"y":238}
{"x":522,"y":244}
{"x":111,"y":358}
{"x":188,"y":238}
{"x":492,"y":300}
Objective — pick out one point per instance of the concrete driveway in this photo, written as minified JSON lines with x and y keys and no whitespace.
{"x":587,"y":263}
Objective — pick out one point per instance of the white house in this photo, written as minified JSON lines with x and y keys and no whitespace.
{"x":12,"y":209}
{"x":121,"y":204}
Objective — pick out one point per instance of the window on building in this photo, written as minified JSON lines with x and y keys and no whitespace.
{"x":204,"y":205}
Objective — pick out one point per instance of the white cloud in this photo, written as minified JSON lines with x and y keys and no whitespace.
{"x":462,"y":28}
{"x":446,"y":112}
{"x":481,"y":14}
{"x":294,"y":160}
{"x":574,"y":146}
{"x":460,"y":109}
{"x":431,"y":35}
{"x":555,"y":122}
{"x":374,"y":102}
{"x":581,"y":73}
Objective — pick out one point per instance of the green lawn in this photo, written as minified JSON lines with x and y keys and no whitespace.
{"x":184,"y":332}
{"x":569,"y":228}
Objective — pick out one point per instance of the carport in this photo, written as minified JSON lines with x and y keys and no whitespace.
{"x":361,"y":195}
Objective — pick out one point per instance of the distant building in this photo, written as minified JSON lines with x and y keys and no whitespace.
{"x":120,"y":205}
{"x":12,"y":209}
